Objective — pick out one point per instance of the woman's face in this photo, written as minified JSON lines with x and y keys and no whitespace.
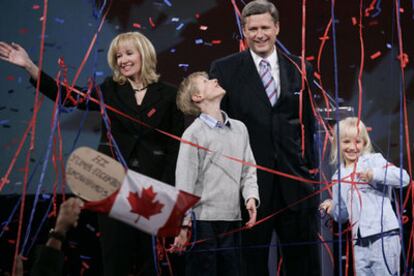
{"x":128,"y":60}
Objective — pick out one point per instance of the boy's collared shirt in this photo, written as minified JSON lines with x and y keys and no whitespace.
{"x":213,"y":122}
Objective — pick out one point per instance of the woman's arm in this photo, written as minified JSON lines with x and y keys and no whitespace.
{"x":16,"y":54}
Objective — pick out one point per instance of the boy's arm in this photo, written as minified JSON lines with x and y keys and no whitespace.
{"x":385,"y":173}
{"x":186,"y":172}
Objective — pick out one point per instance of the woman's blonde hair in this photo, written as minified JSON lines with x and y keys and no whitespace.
{"x":349,"y":127}
{"x":185,"y":92}
{"x":148,"y":57}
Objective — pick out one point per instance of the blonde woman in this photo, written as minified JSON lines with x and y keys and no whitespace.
{"x":134,"y":89}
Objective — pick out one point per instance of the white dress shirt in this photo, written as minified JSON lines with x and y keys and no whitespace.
{"x":274,"y":66}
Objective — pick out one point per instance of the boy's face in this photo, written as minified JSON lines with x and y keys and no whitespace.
{"x":351,"y":147}
{"x":208,"y":89}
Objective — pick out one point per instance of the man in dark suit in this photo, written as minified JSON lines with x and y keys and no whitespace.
{"x":278,"y":115}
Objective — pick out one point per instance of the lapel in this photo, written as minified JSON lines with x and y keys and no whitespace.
{"x":152,"y":96}
{"x":251,"y":79}
{"x":287,"y":72}
{"x":127,"y":97}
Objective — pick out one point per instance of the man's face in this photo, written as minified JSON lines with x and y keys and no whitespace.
{"x":260,"y":32}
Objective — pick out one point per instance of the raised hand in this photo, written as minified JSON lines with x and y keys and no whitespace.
{"x":16,"y":54}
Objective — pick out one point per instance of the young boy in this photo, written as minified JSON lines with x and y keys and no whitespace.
{"x":219,"y":181}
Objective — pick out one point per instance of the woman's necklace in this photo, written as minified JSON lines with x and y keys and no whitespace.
{"x":140,"y":90}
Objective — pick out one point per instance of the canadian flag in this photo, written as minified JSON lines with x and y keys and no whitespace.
{"x":147,"y":204}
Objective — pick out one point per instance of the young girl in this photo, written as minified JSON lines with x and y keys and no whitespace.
{"x":362,"y":197}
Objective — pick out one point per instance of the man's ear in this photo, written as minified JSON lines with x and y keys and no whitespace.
{"x":196,"y":97}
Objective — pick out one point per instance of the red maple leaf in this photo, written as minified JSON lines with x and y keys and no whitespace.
{"x":143,"y":205}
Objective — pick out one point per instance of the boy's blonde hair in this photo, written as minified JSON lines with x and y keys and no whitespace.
{"x":349,"y":127}
{"x":146,"y":50}
{"x":186,"y":90}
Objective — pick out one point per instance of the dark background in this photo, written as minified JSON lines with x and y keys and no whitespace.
{"x":183,"y":47}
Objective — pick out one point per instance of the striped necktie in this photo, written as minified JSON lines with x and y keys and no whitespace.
{"x":269,"y":82}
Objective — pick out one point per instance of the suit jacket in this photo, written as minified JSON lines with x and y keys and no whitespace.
{"x":275,"y":132}
{"x":148,"y":151}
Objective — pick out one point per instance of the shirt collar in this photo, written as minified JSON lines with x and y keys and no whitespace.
{"x":272,"y":59}
{"x":213,"y":123}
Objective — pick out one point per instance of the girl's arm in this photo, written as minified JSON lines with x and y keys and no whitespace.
{"x":385,"y":173}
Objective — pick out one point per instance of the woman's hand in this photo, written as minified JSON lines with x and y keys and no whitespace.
{"x":16,"y":54}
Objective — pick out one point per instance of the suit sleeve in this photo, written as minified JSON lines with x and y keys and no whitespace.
{"x":248,"y":180}
{"x":340,"y":212}
{"x":309,"y":119}
{"x":49,"y":261}
{"x":50,"y":89}
{"x":172,"y":147}
{"x":186,"y":173}
{"x":385,"y":173}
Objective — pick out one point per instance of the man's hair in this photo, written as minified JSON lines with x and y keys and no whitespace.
{"x":349,"y":127}
{"x":259,"y":7}
{"x":146,"y":50}
{"x":186,"y":90}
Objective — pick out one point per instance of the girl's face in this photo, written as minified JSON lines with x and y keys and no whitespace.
{"x":351,"y":148}
{"x":129,"y":60}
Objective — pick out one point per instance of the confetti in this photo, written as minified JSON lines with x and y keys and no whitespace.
{"x":59,"y":20}
{"x":179,"y":27}
{"x":168,"y":3}
{"x":151,"y":22}
{"x":203,"y":27}
{"x":354,"y":21}
{"x":199,"y":41}
{"x":375,"y":55}
{"x":23,"y":31}
{"x":136,"y":25}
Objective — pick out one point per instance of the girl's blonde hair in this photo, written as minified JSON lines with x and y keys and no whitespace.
{"x":148,"y":57}
{"x":349,"y":127}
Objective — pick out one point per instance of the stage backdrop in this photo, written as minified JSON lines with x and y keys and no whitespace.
{"x":188,"y":35}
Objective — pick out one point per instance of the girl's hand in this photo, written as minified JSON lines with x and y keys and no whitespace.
{"x":326,"y":206}
{"x":366,"y":176}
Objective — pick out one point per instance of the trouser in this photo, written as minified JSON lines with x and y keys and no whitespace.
{"x":216,"y":255}
{"x":378,"y":255}
{"x":299,"y":246}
